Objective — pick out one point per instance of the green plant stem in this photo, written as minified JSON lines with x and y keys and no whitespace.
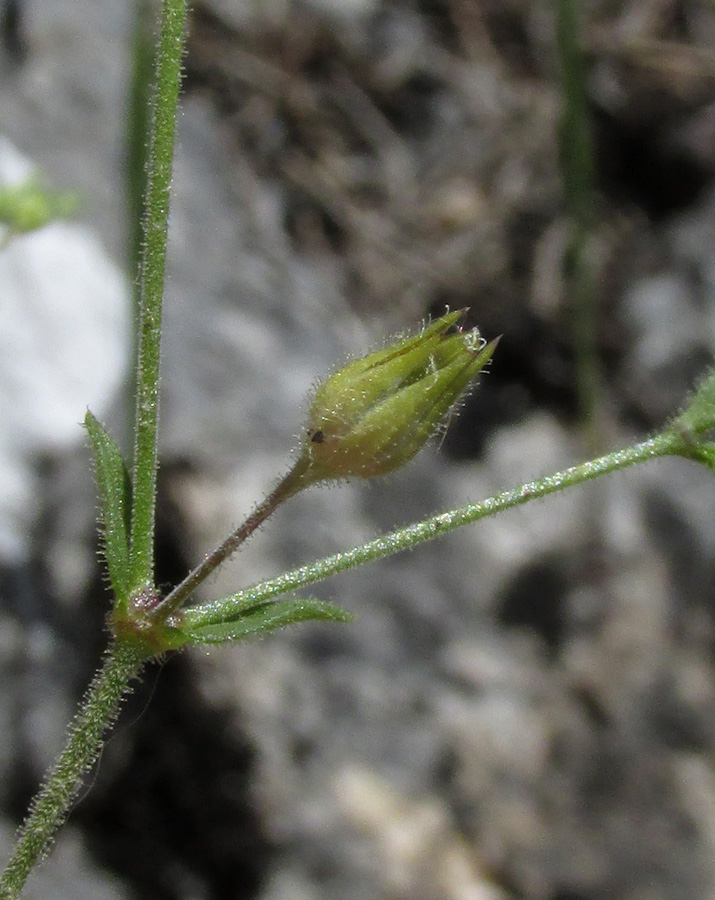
{"x":668,"y":443}
{"x":577,"y":167}
{"x":151,"y":288}
{"x":287,"y":487}
{"x":124,"y":661}
{"x":86,"y":737}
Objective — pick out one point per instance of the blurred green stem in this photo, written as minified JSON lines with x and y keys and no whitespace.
{"x":576,"y":151}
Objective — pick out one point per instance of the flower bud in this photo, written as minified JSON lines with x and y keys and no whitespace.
{"x":375,"y":414}
{"x":28,"y":206}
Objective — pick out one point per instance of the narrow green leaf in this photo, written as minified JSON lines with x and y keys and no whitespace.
{"x":264,"y":618}
{"x":115,"y":494}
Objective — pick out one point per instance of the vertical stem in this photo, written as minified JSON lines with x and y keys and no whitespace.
{"x":151,"y":288}
{"x":138,"y":130}
{"x":84,"y":743}
{"x":136,"y":150}
{"x":578,"y":175}
{"x":124,"y":661}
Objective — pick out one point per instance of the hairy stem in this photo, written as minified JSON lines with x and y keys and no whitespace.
{"x":86,"y":738}
{"x":665,"y":444}
{"x":287,"y":487}
{"x":151,"y":289}
{"x":124,"y":661}
{"x":138,"y":128}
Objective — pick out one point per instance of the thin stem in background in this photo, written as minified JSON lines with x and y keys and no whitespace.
{"x":151,"y":288}
{"x":11,"y":29}
{"x":577,"y":166}
{"x":668,"y":443}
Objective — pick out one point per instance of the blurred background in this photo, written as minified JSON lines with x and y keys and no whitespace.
{"x":524,"y":710}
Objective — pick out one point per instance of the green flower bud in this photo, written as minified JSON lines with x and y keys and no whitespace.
{"x":375,"y":414}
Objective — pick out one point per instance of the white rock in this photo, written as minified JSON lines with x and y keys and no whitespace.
{"x":64,"y":346}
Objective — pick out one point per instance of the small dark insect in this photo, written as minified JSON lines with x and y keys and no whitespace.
{"x":318,"y":437}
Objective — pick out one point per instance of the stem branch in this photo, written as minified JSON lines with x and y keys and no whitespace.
{"x":665,"y":444}
{"x":287,"y":487}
